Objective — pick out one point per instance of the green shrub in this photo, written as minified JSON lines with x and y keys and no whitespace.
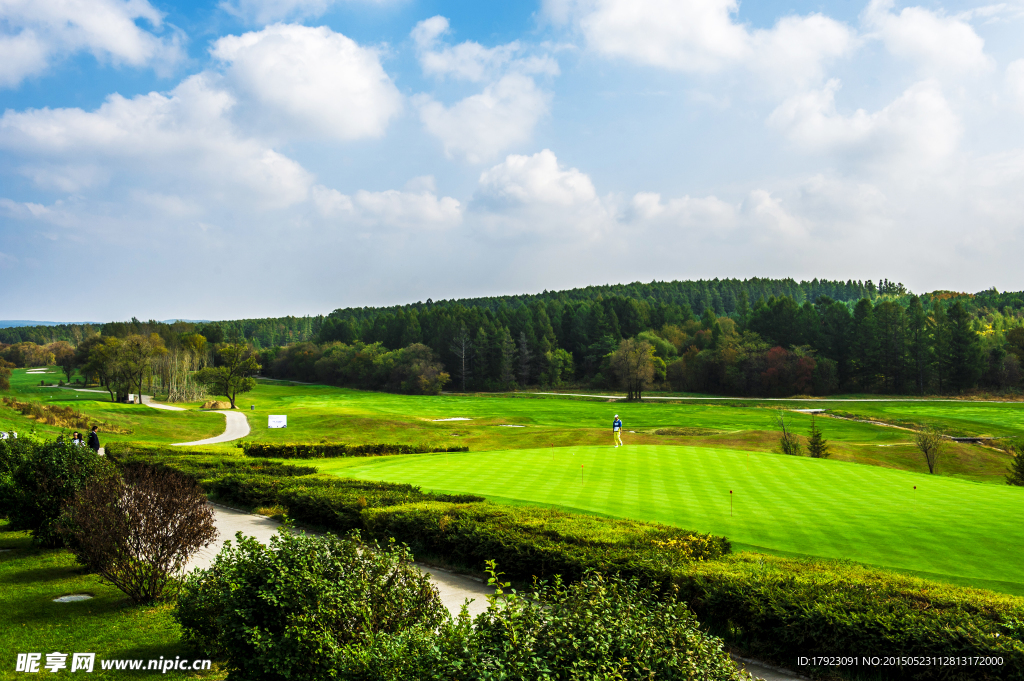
{"x":330,"y":450}
{"x":45,"y":481}
{"x":528,"y":541}
{"x":289,"y":610}
{"x":781,"y":608}
{"x":13,"y":453}
{"x":596,"y":629}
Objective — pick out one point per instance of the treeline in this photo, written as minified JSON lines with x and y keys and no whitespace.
{"x":755,"y":337}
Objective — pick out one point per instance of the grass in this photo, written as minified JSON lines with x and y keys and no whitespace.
{"x":964,"y":531}
{"x":108,"y":625}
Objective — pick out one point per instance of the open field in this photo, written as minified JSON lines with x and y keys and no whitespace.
{"x":947,"y":528}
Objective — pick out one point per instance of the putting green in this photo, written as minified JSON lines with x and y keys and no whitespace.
{"x":968,"y":531}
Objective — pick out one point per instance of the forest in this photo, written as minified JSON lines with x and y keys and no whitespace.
{"x":754,"y":337}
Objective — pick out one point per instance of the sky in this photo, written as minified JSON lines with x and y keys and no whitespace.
{"x":252,"y":158}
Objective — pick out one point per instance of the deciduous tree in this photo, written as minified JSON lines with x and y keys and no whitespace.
{"x":932,"y":445}
{"x":234,"y":376}
{"x":633,"y":363}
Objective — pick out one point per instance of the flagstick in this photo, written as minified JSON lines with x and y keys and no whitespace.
{"x":730,"y":503}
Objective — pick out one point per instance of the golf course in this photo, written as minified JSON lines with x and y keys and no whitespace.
{"x":709,"y":466}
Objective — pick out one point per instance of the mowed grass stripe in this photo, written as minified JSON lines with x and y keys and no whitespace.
{"x":813,"y":507}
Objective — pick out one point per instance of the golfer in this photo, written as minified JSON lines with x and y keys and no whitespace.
{"x":617,"y":430}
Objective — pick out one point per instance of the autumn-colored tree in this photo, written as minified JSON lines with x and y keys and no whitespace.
{"x":64,"y":356}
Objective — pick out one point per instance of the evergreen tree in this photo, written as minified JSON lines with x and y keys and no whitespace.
{"x":1015,"y":475}
{"x":817,"y":445}
{"x":864,"y":346}
{"x":939,"y":332}
{"x":917,"y":344}
{"x":506,"y":368}
{"x":964,"y":349}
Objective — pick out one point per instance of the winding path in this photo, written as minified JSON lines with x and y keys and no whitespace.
{"x":236,"y":424}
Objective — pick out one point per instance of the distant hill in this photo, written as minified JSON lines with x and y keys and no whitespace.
{"x":15,"y":323}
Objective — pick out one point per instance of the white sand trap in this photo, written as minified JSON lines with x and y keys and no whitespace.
{"x":455,"y":418}
{"x":509,"y":425}
{"x":72,"y":598}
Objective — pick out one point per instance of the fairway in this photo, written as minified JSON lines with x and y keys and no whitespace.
{"x":970,"y":532}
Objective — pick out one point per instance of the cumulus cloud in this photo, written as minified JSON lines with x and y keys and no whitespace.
{"x":260,"y":12}
{"x":313,"y":81}
{"x":917,"y":128}
{"x":702,"y":36}
{"x":939,"y":44}
{"x":388,"y":209}
{"x":181,"y":139}
{"x":34,"y":33}
{"x":1015,"y":84}
{"x":537,"y":179}
{"x":480,"y":126}
{"x":470,"y":60}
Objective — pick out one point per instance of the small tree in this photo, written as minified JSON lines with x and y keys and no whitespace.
{"x":5,"y":374}
{"x":138,"y":531}
{"x":787,"y":442}
{"x":932,"y":445}
{"x":64,"y":356}
{"x":234,"y":376}
{"x":1015,"y":475}
{"x":817,"y":446}
{"x":462,"y":347}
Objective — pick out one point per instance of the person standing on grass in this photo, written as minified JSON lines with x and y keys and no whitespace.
{"x":617,"y":430}
{"x":94,"y":440}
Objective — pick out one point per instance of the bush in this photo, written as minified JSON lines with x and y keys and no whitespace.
{"x":782,"y":608}
{"x":140,"y":529}
{"x":13,"y":453}
{"x":46,"y":481}
{"x":529,"y":541}
{"x":325,"y":450}
{"x":289,"y":610}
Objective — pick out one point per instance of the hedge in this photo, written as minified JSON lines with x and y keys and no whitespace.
{"x":298,"y":450}
{"x":775,"y":608}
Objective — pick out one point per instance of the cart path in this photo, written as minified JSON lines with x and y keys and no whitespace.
{"x":455,"y":589}
{"x":236,"y":425}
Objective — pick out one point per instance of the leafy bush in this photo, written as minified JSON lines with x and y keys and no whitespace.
{"x":46,"y":480}
{"x":140,"y":529}
{"x":596,"y":629}
{"x":325,"y":450}
{"x":781,"y":608}
{"x":529,"y":541}
{"x":13,"y":453}
{"x":289,"y":610}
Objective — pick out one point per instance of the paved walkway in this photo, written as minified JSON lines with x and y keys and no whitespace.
{"x":236,"y":424}
{"x":455,"y":589}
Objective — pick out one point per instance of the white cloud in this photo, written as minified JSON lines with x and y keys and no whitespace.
{"x":940,"y":44}
{"x":702,"y":36}
{"x":918,"y":128}
{"x":34,"y":33}
{"x":312,"y":80}
{"x":479,"y":127}
{"x":470,"y":60}
{"x":179,"y":140}
{"x":537,"y":179}
{"x":1015,"y":84}
{"x":390,"y":208}
{"x":260,"y":12}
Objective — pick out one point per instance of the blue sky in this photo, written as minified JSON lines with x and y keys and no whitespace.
{"x":266,"y":157}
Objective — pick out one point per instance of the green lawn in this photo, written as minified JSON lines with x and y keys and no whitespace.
{"x":108,"y":625}
{"x":960,"y":530}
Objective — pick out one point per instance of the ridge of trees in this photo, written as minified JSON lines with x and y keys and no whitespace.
{"x":727,"y":336}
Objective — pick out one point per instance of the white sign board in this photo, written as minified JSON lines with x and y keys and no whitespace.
{"x":277,"y":422}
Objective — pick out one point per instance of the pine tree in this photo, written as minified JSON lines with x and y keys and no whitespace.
{"x":817,"y":446}
{"x":1015,"y":475}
